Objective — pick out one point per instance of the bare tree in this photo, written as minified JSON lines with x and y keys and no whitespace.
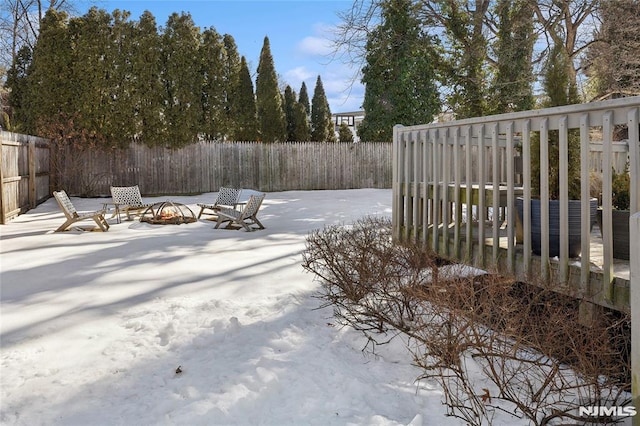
{"x":612,"y":62}
{"x":466,"y":31}
{"x":570,"y":24}
{"x":20,"y":24}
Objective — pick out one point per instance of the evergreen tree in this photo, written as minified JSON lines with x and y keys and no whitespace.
{"x":243,"y":108}
{"x":231,"y":81}
{"x":302,"y":114}
{"x":303,"y":99}
{"x":513,"y":82}
{"x":301,"y":120}
{"x":271,"y":120}
{"x":18,"y":86}
{"x":182,"y":80}
{"x":399,"y":76}
{"x":214,"y":100}
{"x":121,"y":128}
{"x":103,"y":75}
{"x":49,"y":97}
{"x":92,"y":67}
{"x":344,"y":133}
{"x":557,"y":83}
{"x":321,"y":124}
{"x":148,"y":95}
{"x":289,"y":112}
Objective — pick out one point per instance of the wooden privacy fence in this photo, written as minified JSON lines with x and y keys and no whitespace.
{"x":24,"y":173}
{"x":206,"y":166}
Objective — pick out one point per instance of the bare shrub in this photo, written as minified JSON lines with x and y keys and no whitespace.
{"x":537,"y":360}
{"x":492,"y":343}
{"x":365,"y":275}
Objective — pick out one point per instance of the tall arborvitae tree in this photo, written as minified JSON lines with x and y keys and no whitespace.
{"x":182,"y":80}
{"x":17,"y":84}
{"x":102,"y":75}
{"x":289,"y":112}
{"x":121,"y":128}
{"x":301,"y":116}
{"x":301,"y":120}
{"x":512,"y":86}
{"x":231,"y":72}
{"x":399,"y":76}
{"x":303,"y":99}
{"x":50,"y":95}
{"x":322,"y":129}
{"x":243,"y":107}
{"x":92,"y":68}
{"x":271,"y":120}
{"x":213,"y":54}
{"x":148,"y":93}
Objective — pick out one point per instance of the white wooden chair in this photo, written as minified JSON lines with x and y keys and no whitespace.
{"x":73,"y":216}
{"x":227,"y":198}
{"x":127,"y":199}
{"x":245,"y":218}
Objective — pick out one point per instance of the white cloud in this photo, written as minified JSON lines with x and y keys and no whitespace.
{"x":340,"y":78}
{"x":294,"y":77}
{"x":314,"y":46}
{"x":348,"y":97}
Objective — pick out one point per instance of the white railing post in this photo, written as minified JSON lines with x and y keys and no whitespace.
{"x":396,"y":189}
{"x":634,"y":289}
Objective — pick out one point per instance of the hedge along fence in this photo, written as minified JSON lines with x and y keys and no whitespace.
{"x":206,"y":166}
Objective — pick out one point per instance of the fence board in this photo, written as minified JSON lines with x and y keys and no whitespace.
{"x":24,"y":173}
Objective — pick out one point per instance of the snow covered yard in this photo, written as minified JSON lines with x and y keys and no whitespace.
{"x":187,"y":325}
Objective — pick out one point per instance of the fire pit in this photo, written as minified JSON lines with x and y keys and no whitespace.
{"x":168,"y":213}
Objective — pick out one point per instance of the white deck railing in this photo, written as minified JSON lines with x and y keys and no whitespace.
{"x":455,"y":184}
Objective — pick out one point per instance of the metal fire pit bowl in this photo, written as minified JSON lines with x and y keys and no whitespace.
{"x":168,"y":213}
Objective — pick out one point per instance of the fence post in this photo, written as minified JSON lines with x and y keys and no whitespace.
{"x":32,"y":173}
{"x":634,"y":302}
{"x":3,"y":216}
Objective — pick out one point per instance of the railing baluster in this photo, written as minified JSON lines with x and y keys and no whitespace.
{"x":526,"y":195}
{"x":407,"y":187}
{"x":585,"y":213}
{"x":468,"y":195}
{"x":544,"y":198}
{"x":396,"y":185}
{"x":496,"y":194}
{"x":634,"y":157}
{"x":415,"y":154}
{"x":607,"y":220}
{"x":482,"y":180}
{"x":433,"y":140}
{"x":424,"y":153}
{"x":511,"y":202}
{"x":563,"y":162}
{"x":456,"y":192}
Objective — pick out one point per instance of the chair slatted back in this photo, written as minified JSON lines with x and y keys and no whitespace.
{"x":126,"y":195}
{"x":65,"y":204}
{"x":253,"y":205}
{"x":227,"y":196}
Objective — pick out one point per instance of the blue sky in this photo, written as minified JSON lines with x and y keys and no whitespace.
{"x":299,"y":33}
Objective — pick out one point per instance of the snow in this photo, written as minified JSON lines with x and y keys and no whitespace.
{"x":189,"y":325}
